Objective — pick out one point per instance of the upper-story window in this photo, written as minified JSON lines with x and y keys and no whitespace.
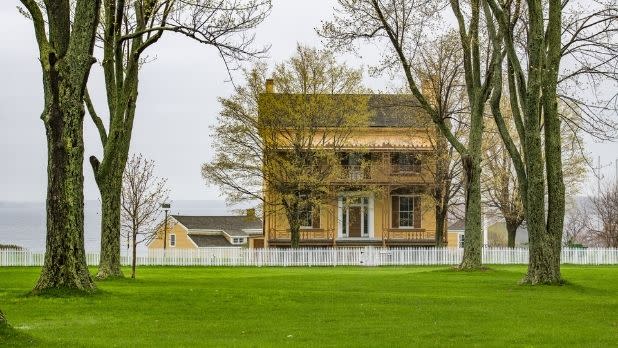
{"x":356,"y":165}
{"x":172,"y":240}
{"x":406,"y":162}
{"x":406,"y":211}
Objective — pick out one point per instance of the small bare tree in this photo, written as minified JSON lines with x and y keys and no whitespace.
{"x":142,"y":195}
{"x":577,"y":227}
{"x":604,"y":231}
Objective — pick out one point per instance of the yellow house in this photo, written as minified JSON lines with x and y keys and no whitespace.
{"x":383,"y":194}
{"x":456,"y":234}
{"x":193,"y":232}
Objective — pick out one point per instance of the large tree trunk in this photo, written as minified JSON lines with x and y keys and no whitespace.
{"x":108,"y":173}
{"x":511,"y":230}
{"x":471,"y":162}
{"x":109,"y":263}
{"x":65,"y":40}
{"x":65,"y":259}
{"x":472,"y":257}
{"x":545,"y":234}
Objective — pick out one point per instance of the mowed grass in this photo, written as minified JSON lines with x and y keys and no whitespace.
{"x":403,"y":306}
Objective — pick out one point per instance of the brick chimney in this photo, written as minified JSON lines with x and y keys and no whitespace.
{"x":270,"y":86}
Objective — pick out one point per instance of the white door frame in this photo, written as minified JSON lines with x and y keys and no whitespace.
{"x":370,"y":214}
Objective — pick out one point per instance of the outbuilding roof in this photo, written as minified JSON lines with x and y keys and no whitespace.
{"x":204,"y":241}
{"x":232,"y":225}
{"x":459,"y":225}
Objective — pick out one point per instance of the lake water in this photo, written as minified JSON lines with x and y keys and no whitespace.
{"x":23,"y":223}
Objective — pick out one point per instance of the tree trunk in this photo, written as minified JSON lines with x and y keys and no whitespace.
{"x":511,"y":230}
{"x":471,"y":162}
{"x":109,"y":264}
{"x":133,"y":261}
{"x":66,"y":41}
{"x":108,"y":175}
{"x":65,"y":257}
{"x":295,"y":235}
{"x":440,"y":225}
{"x":545,"y":241}
{"x":472,"y":258}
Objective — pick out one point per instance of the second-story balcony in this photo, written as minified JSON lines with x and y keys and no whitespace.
{"x":380,"y":172}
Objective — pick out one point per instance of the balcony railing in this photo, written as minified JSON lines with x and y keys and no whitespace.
{"x":379,"y":172}
{"x":409,"y":235}
{"x":405,"y":168}
{"x":305,"y":234}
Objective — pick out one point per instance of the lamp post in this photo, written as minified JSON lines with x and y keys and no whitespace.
{"x":166,"y":208}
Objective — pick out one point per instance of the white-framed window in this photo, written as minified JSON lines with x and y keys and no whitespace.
{"x":306,"y":218}
{"x":238,"y":240}
{"x":406,"y":211}
{"x":309,"y":214}
{"x":460,"y":240}
{"x":172,"y":240}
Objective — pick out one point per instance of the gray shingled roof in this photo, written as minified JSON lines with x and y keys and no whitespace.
{"x":386,"y":110}
{"x":203,"y":241}
{"x":458,"y":225}
{"x":232,"y":225}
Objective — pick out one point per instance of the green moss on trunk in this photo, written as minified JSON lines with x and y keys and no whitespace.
{"x":109,"y":263}
{"x":65,"y":259}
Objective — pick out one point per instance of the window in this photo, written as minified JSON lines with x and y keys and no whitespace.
{"x":406,"y":163}
{"x":172,"y":240}
{"x":306,"y":218}
{"x":309,"y":215}
{"x":406,"y":211}
{"x":460,"y":240}
{"x":238,"y":240}
{"x":355,"y":165}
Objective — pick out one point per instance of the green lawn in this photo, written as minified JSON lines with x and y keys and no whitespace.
{"x":403,"y":306}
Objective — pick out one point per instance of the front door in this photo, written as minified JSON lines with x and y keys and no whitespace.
{"x":354,"y":222}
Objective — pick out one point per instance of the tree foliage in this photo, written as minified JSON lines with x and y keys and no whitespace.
{"x":282,"y":148}
{"x":401,"y":25}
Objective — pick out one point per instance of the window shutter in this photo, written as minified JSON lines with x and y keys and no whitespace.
{"x":315,"y":217}
{"x":417,"y":212}
{"x":395,"y":210}
{"x":344,"y":159}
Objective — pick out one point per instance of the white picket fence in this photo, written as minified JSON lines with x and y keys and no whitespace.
{"x":368,"y":256}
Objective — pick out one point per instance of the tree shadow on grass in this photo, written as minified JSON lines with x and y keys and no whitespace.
{"x":457,"y":269}
{"x":66,"y":293}
{"x":10,"y":337}
{"x":585,"y":290}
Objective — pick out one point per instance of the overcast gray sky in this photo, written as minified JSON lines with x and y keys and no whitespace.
{"x":177,"y":102}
